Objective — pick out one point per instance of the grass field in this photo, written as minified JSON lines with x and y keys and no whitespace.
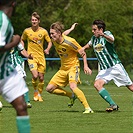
{"x":53,"y":115}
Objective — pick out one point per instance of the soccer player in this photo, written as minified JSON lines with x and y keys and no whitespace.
{"x":67,"y":49}
{"x":12,"y":86}
{"x":35,"y":37}
{"x":110,"y":65}
{"x":17,"y":62}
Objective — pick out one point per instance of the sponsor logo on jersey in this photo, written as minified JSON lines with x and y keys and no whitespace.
{"x":99,"y":47}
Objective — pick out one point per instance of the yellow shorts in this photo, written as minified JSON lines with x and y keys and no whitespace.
{"x":37,"y":64}
{"x":63,"y":77}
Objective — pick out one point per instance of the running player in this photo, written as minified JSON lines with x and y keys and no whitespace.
{"x":110,"y":65}
{"x":67,"y":49}
{"x":12,"y":86}
{"x":35,"y":37}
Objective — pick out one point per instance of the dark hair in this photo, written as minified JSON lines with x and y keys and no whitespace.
{"x":100,"y":24}
{"x":36,"y":15}
{"x":58,"y":26}
{"x":7,"y":2}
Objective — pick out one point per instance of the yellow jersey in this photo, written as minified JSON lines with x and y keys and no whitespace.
{"x":35,"y":41}
{"x":68,"y":52}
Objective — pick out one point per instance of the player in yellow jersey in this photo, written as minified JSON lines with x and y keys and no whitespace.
{"x":67,"y":49}
{"x":35,"y":37}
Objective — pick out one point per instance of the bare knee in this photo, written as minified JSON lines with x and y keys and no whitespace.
{"x":50,"y":88}
{"x":99,"y":84}
{"x":130,"y":87}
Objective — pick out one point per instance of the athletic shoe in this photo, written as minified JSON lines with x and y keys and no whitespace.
{"x":29,"y":105}
{"x":40,"y":99}
{"x":87,"y":111}
{"x":72,"y":100}
{"x":36,"y":98}
{"x":112,"y":108}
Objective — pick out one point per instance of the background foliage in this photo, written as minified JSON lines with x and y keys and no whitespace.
{"x":116,"y":14}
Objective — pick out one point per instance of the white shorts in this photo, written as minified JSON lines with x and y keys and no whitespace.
{"x":116,"y":73}
{"x":12,"y":87}
{"x":21,"y":71}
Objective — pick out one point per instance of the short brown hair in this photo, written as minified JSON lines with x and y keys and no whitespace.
{"x":36,"y":15}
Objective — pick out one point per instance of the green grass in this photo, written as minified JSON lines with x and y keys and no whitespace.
{"x":53,"y":115}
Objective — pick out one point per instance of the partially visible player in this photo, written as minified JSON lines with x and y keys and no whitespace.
{"x":111,"y":67}
{"x":1,"y":105}
{"x":12,"y":86}
{"x":67,"y":49}
{"x":17,"y":61}
{"x":36,"y":37}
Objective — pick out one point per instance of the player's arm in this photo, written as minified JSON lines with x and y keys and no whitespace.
{"x":82,"y":50}
{"x":66,"y":32}
{"x":48,"y":48}
{"x":109,"y":38}
{"x":25,"y":54}
{"x":87,"y":70}
{"x":23,"y":51}
{"x":13,"y":43}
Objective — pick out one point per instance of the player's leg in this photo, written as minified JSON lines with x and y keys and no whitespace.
{"x":73,"y":80}
{"x":80,"y":95}
{"x":41,"y":71}
{"x":105,"y":94}
{"x":22,"y":118}
{"x":35,"y":84}
{"x":22,"y":73}
{"x":13,"y":93}
{"x":59,"y":79}
{"x":34,"y":72}
{"x":40,"y":86}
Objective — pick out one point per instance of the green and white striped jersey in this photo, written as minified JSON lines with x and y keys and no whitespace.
{"x":15,"y":58}
{"x":104,"y":51}
{"x":6,"y":34}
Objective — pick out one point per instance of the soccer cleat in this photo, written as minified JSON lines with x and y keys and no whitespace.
{"x":29,"y":105}
{"x":112,"y":108}
{"x":40,"y":99}
{"x":72,"y":100}
{"x":36,"y":98}
{"x":88,"y":111}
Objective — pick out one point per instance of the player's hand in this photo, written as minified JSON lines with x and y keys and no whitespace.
{"x":73,"y":26}
{"x":46,"y":51}
{"x":87,"y":70}
{"x":30,"y":57}
{"x":101,"y":33}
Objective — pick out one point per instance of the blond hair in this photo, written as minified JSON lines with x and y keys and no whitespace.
{"x":58,"y":26}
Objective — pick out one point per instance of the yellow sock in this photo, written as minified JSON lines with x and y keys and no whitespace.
{"x":35,"y":84}
{"x":40,"y":87}
{"x":62,"y":92}
{"x":80,"y":95}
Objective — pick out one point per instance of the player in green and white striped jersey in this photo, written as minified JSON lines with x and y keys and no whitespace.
{"x":110,"y":65}
{"x":12,"y":86}
{"x":17,"y":62}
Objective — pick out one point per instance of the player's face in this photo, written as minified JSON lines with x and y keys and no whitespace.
{"x":34,"y":21}
{"x":95,"y":30}
{"x":55,"y":35}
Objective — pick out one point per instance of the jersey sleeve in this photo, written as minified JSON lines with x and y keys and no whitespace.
{"x":108,"y":33}
{"x":20,"y":47}
{"x":47,"y":37}
{"x":24,"y":35}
